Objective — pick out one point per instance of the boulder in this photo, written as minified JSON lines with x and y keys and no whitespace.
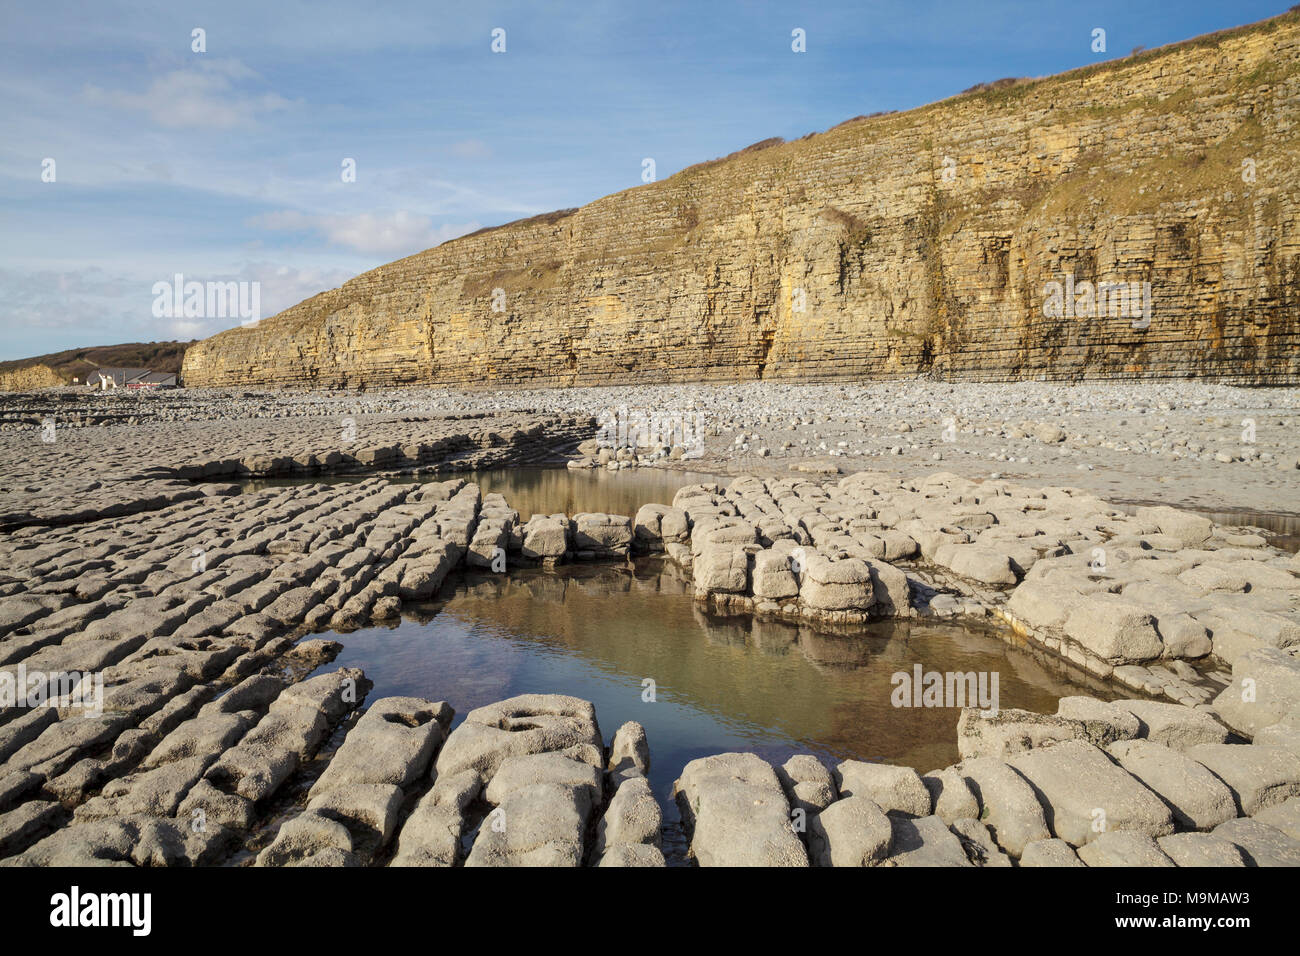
{"x":1114,"y":629}
{"x":976,"y":840}
{"x":736,"y":813}
{"x":951,"y":795}
{"x":633,"y":816}
{"x":923,"y":841}
{"x":1285,"y":816}
{"x":828,"y":585}
{"x":721,"y":569}
{"x":1050,"y":852}
{"x":1008,"y":805}
{"x":853,"y":831}
{"x":977,"y":562}
{"x":891,"y":788}
{"x":632,"y":854}
{"x":773,"y":579}
{"x":545,"y":537}
{"x":808,"y":784}
{"x":629,"y":748}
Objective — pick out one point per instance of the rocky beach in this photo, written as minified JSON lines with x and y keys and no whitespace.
{"x":137,"y":554}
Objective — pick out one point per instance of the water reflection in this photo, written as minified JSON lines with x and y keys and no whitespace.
{"x":564,"y":491}
{"x":545,"y":490}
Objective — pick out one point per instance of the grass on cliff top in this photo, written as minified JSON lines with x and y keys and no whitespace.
{"x":1002,"y":96}
{"x":159,"y":356}
{"x":542,"y":219}
{"x":1011,"y":92}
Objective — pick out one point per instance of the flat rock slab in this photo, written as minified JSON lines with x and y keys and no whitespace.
{"x":539,"y":825}
{"x":1174,"y":725}
{"x":1008,"y":805}
{"x":1123,"y":848}
{"x":393,"y":743}
{"x":527,"y":724}
{"x":1006,"y":732}
{"x":1285,"y":816}
{"x":1200,"y":849}
{"x":890,"y":787}
{"x":1259,"y":777}
{"x":1084,"y":794}
{"x":1103,"y":722}
{"x":1198,"y":799}
{"x":1050,"y":852}
{"x":1263,"y":845}
{"x":923,"y":841}
{"x":1265,"y":689}
{"x":516,"y":773}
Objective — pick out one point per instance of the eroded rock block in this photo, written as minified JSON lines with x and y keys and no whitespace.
{"x":1085,"y":794}
{"x":853,"y":831}
{"x":736,"y":812}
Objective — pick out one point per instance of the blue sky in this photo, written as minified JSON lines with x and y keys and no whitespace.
{"x":225,"y":165}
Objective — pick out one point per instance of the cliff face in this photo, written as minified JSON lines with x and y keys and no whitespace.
{"x":918,"y":242}
{"x":28,"y":379}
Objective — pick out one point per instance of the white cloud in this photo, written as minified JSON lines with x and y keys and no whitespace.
{"x":101,"y":308}
{"x":201,"y":96}
{"x":283,"y":286}
{"x":392,"y":234}
{"x":185,"y":329}
{"x":61,"y":299}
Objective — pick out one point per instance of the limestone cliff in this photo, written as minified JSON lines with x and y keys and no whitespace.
{"x":28,"y":379}
{"x":922,"y":242}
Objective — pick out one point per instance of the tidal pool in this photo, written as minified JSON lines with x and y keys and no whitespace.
{"x":536,"y":490}
{"x":720,"y":683}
